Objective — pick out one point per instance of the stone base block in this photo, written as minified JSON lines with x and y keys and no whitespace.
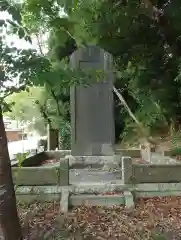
{"x":129,"y":201}
{"x":97,"y":188}
{"x":90,"y":160}
{"x":157,"y":189}
{"x":64,"y":203}
{"x":96,"y":200}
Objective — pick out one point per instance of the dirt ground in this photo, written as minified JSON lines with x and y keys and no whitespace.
{"x":152,"y":219}
{"x":160,"y":143}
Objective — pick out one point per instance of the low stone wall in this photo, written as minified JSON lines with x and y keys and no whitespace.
{"x":38,"y":158}
{"x":156,"y":189}
{"x":29,"y":194}
{"x":155,"y":173}
{"x":38,"y":176}
{"x":134,"y":173}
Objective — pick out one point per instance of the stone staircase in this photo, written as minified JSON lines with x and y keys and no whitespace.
{"x":107,"y":193}
{"x":97,"y":181}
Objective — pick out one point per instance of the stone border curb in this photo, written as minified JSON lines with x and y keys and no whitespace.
{"x":96,"y":200}
{"x":64,"y":202}
{"x":129,"y":201}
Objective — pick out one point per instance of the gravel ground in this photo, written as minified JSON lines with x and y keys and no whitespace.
{"x":152,"y":219}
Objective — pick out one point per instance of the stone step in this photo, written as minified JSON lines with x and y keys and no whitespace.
{"x":87,"y":175}
{"x":84,"y":160}
{"x":98,"y":187}
{"x":70,"y":196}
{"x":96,"y":200}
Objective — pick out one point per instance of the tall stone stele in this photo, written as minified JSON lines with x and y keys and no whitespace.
{"x":92,"y":108}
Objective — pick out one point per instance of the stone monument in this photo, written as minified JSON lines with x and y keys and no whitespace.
{"x":92,"y":108}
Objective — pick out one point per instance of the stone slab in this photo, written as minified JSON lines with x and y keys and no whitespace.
{"x":40,"y":198}
{"x":92,"y":159}
{"x":127,"y":170}
{"x":63,"y":172}
{"x":129,"y":202}
{"x":64,"y":202}
{"x":36,"y":190}
{"x":36,"y":176}
{"x":79,"y":188}
{"x":156,"y":173}
{"x":156,"y":194}
{"x":160,"y":187}
{"x":96,"y":200}
{"x":157,"y":189}
{"x":89,"y":175}
{"x":99,"y":187}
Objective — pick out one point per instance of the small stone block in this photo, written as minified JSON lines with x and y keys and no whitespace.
{"x":127,"y":170}
{"x":129,"y":202}
{"x":64,"y":202}
{"x":118,"y":160}
{"x":63,"y":172}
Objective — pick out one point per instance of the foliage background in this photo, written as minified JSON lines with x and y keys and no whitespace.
{"x":144,"y":39}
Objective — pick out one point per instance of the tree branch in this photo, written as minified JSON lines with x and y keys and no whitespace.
{"x":43,"y":112}
{"x":141,"y":127}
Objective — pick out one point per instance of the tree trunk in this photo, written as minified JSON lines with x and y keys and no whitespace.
{"x":9,"y":222}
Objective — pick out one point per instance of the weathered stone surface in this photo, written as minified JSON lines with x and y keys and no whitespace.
{"x":153,"y":194}
{"x":157,"y":187}
{"x":28,"y":198}
{"x":93,"y":159}
{"x":29,"y":194}
{"x":64,"y":202}
{"x":37,"y":190}
{"x":86,"y":175}
{"x":99,"y":187}
{"x":38,"y":176}
{"x":63,"y":171}
{"x":35,"y":176}
{"x":93,"y":131}
{"x":156,"y":173}
{"x":96,"y":200}
{"x":129,"y":202}
{"x":127,"y":170}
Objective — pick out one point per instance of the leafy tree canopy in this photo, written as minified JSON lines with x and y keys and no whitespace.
{"x":143,"y":36}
